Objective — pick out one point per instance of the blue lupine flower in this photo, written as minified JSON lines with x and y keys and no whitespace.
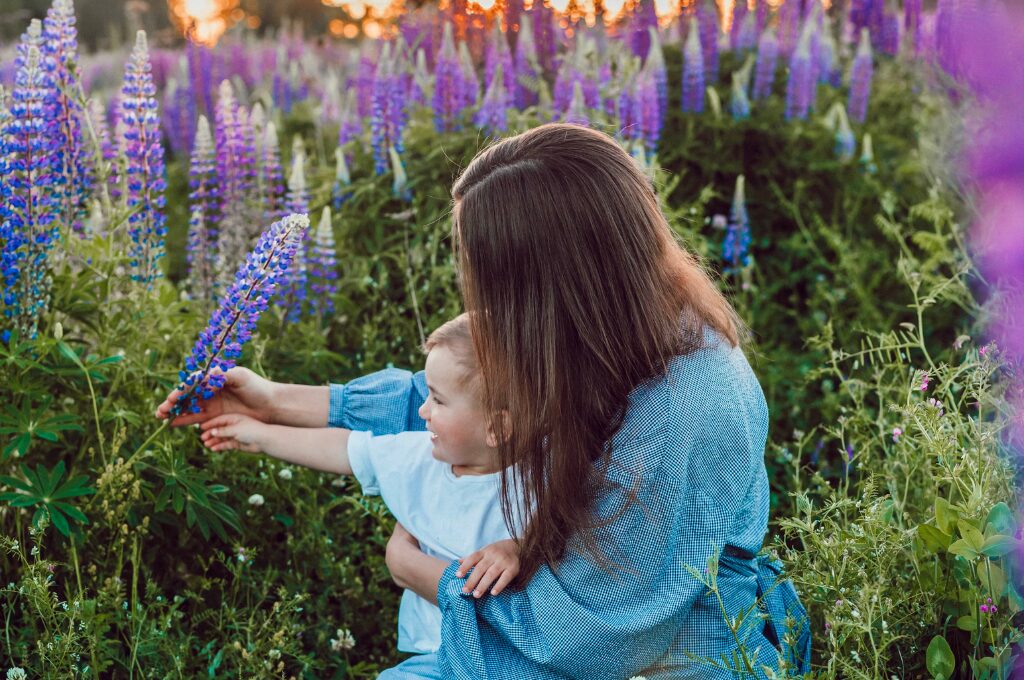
{"x":30,"y":169}
{"x":707,"y":20}
{"x":764,"y":72}
{"x":60,"y":41}
{"x":145,"y":165}
{"x":736,"y":247}
{"x":342,"y":189}
{"x":231,"y":325}
{"x":323,"y":267}
{"x":693,"y":71}
{"x":860,"y":79}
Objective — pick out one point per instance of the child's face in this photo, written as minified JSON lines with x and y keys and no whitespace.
{"x":455,"y":418}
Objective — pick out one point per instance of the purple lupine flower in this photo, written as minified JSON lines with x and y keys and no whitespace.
{"x":693,"y":71}
{"x":200,"y":70}
{"x":629,"y":124}
{"x":204,"y":191}
{"x":736,"y":247}
{"x":30,"y":168}
{"x":469,"y":83}
{"x":200,"y":258}
{"x":606,"y":87}
{"x":709,"y":26}
{"x":270,"y":177}
{"x":342,"y":189}
{"x":323,"y":268}
{"x":568,"y":75}
{"x":746,"y":38}
{"x":577,"y":111}
{"x":800,"y":88}
{"x":497,"y":54}
{"x":764,"y":72}
{"x":363,"y":85}
{"x":388,"y":116}
{"x":789,"y":26}
{"x":235,"y":163}
{"x":650,"y":115}
{"x":144,"y":167}
{"x":760,"y":17}
{"x":492,"y":116}
{"x":656,"y":62}
{"x":740,"y":12}
{"x":860,"y":79}
{"x":526,"y":70}
{"x":60,"y":41}
{"x":828,"y":65}
{"x":447,"y":78}
{"x":739,"y":103}
{"x":220,"y":344}
{"x":419,"y":82}
{"x":889,"y":42}
{"x":644,"y":18}
{"x":177,"y":118}
{"x":912,"y":24}
{"x":349,"y":124}
{"x":543,"y":23}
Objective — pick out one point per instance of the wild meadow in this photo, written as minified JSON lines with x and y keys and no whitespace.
{"x":281,"y":201}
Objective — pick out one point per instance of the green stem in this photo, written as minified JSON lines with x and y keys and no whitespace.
{"x":146,"y":443}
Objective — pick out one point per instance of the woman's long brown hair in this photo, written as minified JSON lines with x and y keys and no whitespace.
{"x":577,"y":293}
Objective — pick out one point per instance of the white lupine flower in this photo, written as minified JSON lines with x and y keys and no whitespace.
{"x":344,"y":641}
{"x":256,"y":499}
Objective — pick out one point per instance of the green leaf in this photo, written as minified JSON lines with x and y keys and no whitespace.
{"x":997,"y":546}
{"x":971,"y":534}
{"x":968,"y":623}
{"x":60,"y":522}
{"x":939,"y":658}
{"x":945,"y":515}
{"x":964,"y":549}
{"x":1001,"y":518}
{"x":934,"y":539}
{"x":69,"y":353}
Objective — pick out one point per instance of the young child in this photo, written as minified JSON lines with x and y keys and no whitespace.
{"x":442,"y":485}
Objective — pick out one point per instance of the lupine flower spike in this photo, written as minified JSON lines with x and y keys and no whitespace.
{"x":145,"y":165}
{"x":526,"y":69}
{"x":656,"y":62}
{"x":736,"y":248}
{"x":801,"y":85}
{"x":767,"y":58}
{"x":232,"y":325}
{"x":270,"y":174}
{"x":492,"y":115}
{"x":860,"y":79}
{"x":323,"y":267}
{"x":447,"y":78}
{"x":693,"y":71}
{"x":292,"y":292}
{"x":29,"y":168}
{"x":342,"y":190}
{"x":387,"y":118}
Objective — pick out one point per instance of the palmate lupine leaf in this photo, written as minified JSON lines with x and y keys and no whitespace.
{"x":27,"y":424}
{"x":43,"y":489}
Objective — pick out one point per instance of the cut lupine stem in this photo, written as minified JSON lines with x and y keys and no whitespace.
{"x":231,"y":325}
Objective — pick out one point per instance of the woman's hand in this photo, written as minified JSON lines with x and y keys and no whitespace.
{"x":235,"y":431}
{"x":244,"y":393}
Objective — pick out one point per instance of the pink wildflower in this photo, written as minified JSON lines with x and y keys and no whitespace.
{"x":897,"y":432}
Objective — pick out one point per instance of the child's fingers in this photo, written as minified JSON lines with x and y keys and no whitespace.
{"x":503,"y":580}
{"x":467,"y":563}
{"x":474,"y":578}
{"x":488,"y":578}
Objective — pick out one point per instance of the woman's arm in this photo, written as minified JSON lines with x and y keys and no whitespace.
{"x":410,"y":567}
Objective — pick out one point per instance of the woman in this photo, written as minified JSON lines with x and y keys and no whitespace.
{"x":635,"y":432}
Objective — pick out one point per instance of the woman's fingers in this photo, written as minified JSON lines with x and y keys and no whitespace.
{"x":503,"y":580}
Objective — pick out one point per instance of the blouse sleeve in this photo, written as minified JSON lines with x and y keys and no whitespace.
{"x":385,"y":402}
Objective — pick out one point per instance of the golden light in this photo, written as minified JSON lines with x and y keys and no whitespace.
{"x":204,"y":21}
{"x":336,"y":26}
{"x":482,"y":5}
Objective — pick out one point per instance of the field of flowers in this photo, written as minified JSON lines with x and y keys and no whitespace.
{"x":813,"y":157}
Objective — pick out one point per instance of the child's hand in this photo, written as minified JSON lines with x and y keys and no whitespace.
{"x":234,"y":431}
{"x":498,"y":563}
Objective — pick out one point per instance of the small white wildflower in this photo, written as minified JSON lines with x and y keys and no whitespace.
{"x":16,"y":673}
{"x":274,"y":654}
{"x":855,"y":614}
{"x":285,"y":473}
{"x":338,"y":482}
{"x":256,"y":499}
{"x":344,"y":641}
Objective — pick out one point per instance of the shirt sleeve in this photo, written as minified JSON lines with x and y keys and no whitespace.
{"x":385,"y":402}
{"x":362,"y":461}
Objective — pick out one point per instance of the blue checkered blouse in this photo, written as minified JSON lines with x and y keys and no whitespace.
{"x":694,"y":438}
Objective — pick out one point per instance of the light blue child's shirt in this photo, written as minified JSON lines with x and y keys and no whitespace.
{"x":692,"y":445}
{"x":451,"y":516}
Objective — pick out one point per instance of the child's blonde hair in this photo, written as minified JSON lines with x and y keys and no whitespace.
{"x":455,"y":336}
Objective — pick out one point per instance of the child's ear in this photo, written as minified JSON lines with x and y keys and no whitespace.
{"x":504,"y":429}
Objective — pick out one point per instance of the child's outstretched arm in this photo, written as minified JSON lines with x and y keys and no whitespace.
{"x":496,"y":564}
{"x":324,"y":448}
